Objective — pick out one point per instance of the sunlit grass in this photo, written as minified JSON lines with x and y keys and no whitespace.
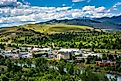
{"x":55,"y":28}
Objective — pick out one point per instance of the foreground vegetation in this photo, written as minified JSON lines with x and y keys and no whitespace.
{"x":40,"y":69}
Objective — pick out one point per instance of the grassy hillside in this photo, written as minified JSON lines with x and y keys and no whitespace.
{"x":47,"y":28}
{"x":38,"y":31}
{"x":57,"y":28}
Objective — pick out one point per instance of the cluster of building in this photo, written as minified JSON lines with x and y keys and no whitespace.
{"x":48,"y":53}
{"x":62,"y":53}
{"x":16,"y":53}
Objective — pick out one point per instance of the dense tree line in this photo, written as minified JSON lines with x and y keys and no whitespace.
{"x":92,"y":39}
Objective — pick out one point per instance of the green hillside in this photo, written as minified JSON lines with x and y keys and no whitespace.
{"x":56,"y":28}
{"x":47,"y":28}
{"x":20,"y":32}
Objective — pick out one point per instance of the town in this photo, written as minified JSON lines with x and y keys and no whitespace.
{"x":64,"y":53}
{"x":69,"y":54}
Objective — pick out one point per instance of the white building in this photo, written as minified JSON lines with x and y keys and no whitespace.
{"x":68,"y":50}
{"x":41,"y":50}
{"x":93,"y":54}
{"x":26,"y":55}
{"x":68,"y":53}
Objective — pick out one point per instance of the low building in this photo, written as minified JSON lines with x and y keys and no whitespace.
{"x":105,"y":63}
{"x":26,"y":55}
{"x":43,"y":52}
{"x":93,"y":54}
{"x":69,"y":53}
{"x":69,"y":50}
{"x":80,"y":58}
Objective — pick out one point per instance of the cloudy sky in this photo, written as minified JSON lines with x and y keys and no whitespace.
{"x":17,"y":12}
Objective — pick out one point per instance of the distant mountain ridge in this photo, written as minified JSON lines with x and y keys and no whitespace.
{"x":102,"y":23}
{"x":116,"y":19}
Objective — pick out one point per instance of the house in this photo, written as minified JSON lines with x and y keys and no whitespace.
{"x":105,"y":63}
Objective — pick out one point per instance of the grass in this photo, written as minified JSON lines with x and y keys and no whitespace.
{"x":56,"y":28}
{"x":48,"y":28}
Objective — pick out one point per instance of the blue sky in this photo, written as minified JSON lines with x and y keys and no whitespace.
{"x":16,"y":12}
{"x":78,"y":4}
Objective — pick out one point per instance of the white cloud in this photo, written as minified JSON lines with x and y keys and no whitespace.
{"x":81,"y":1}
{"x":23,"y":14}
{"x":13,"y":3}
{"x":34,"y":14}
{"x":92,"y":11}
{"x":117,"y":4}
{"x":114,"y":7}
{"x":8,"y":2}
{"x":77,"y":0}
{"x":63,"y":4}
{"x":88,"y":8}
{"x":88,"y":1}
{"x":100,"y":9}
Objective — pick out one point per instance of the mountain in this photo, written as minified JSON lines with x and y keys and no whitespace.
{"x":115,"y":19}
{"x":101,"y":23}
